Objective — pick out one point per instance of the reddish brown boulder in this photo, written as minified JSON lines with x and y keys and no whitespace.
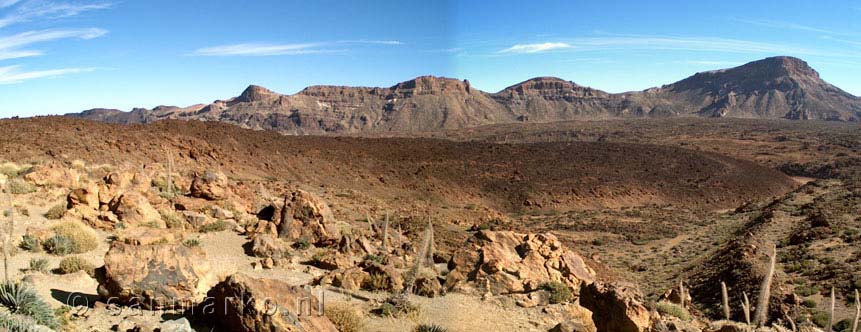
{"x":245,"y":304}
{"x":509,"y":262}
{"x":157,"y":276}
{"x":307,"y":217}
{"x":133,"y":208}
{"x":615,"y":307}
{"x":211,"y":185}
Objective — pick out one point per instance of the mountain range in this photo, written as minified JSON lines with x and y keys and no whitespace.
{"x":776,"y":87}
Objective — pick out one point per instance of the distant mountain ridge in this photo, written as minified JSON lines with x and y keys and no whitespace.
{"x":777,"y":87}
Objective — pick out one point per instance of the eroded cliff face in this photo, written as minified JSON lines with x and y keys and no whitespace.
{"x":778,"y":87}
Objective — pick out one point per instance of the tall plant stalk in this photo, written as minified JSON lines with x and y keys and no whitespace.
{"x":724,"y":300}
{"x":765,"y":290}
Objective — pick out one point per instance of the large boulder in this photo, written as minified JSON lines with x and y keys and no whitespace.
{"x":86,"y":196}
{"x":211,"y":185}
{"x":307,"y":217}
{"x":615,"y":307}
{"x":156,"y":276}
{"x":133,"y":208}
{"x":52,"y":174}
{"x":509,"y":262}
{"x":245,"y":304}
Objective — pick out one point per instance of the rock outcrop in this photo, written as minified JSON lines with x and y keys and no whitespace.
{"x":155,"y":276}
{"x":777,"y":87}
{"x":615,"y":307}
{"x":211,"y":185}
{"x":245,"y":304}
{"x":509,"y":262}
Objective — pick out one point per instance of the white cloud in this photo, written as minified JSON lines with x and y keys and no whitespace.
{"x":775,"y":24}
{"x":375,"y":42}
{"x":10,"y":46}
{"x":25,"y":11}
{"x":256,"y":49}
{"x":12,"y":74}
{"x":536,"y":48}
{"x":8,"y":3}
{"x":267,"y":49}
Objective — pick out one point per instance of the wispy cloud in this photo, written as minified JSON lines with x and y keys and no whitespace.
{"x":372,"y":42}
{"x":13,"y":74}
{"x":11,"y":46}
{"x":268,"y":49}
{"x":256,"y":49}
{"x":711,"y":63}
{"x":8,"y":3}
{"x":25,"y":11}
{"x":784,"y":25}
{"x":536,"y":48}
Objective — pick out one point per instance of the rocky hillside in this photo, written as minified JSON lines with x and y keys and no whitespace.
{"x":779,"y":87}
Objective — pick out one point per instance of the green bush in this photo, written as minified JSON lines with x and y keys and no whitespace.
{"x":20,"y":187}
{"x":672,"y":309}
{"x":20,"y":299}
{"x":38,"y":265}
{"x":172,"y":220}
{"x":82,"y":237}
{"x":559,"y":292}
{"x":56,"y":212}
{"x":73,"y":264}
{"x":820,"y":318}
{"x":806,"y":290}
{"x":58,"y":245}
{"x":810,"y":303}
{"x":217,"y":226}
{"x":376,"y":282}
{"x":345,"y":317}
{"x":18,"y":323}
{"x":191,"y":243}
{"x":30,"y":243}
{"x":429,"y":328}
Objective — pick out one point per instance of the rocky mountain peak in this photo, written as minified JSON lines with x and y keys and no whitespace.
{"x":780,"y":66}
{"x":255,"y":93}
{"x":431,"y":85}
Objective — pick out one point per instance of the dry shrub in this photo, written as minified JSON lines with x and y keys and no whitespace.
{"x":82,"y":237}
{"x":345,"y":317}
{"x":74,"y":264}
{"x":56,"y":212}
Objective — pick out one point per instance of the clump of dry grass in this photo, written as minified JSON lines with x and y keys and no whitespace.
{"x":345,"y":317}
{"x":82,"y":237}
{"x":74,"y":264}
{"x":56,"y":212}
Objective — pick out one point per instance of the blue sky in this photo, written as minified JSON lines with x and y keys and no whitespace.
{"x":63,"y":56}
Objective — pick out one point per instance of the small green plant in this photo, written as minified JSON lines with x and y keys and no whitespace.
{"x":30,"y":243}
{"x":217,"y":226}
{"x":20,"y":187}
{"x":56,"y":212}
{"x":376,"y":282}
{"x":345,"y":317}
{"x":672,"y":309}
{"x":82,"y":237}
{"x":58,"y":245}
{"x":397,"y":305}
{"x":302,"y":244}
{"x":559,"y":292}
{"x":374,"y":259}
{"x":429,"y":328}
{"x":38,"y":265}
{"x":809,"y":303}
{"x":191,"y":243}
{"x":172,"y":220}
{"x":20,"y":299}
{"x":74,"y":264}
{"x":10,"y":170}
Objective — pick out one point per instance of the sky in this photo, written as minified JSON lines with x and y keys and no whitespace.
{"x":63,"y":56}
